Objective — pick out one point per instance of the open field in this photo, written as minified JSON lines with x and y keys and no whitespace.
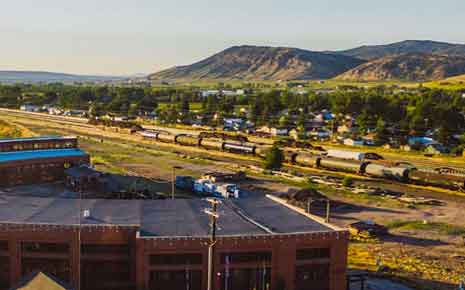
{"x":421,"y":235}
{"x":9,"y":130}
{"x":454,"y":83}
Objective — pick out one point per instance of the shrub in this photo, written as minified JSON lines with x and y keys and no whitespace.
{"x":274,"y":158}
{"x":347,"y":181}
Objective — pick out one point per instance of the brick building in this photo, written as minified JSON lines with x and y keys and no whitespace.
{"x":263,"y":244}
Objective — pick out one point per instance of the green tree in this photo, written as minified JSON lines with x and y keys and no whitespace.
{"x":274,"y":158}
{"x":283,"y":121}
{"x":381,"y":132}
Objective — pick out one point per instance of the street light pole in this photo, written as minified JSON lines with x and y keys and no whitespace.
{"x":213,"y":213}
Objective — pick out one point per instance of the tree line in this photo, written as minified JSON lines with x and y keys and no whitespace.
{"x":410,"y":111}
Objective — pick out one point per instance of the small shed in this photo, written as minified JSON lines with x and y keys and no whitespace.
{"x":82,"y":178}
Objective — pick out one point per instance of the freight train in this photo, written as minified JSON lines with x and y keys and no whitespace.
{"x":369,"y":165}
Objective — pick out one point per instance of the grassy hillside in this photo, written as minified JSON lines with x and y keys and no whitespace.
{"x":261,"y":63}
{"x":371,"y":52}
{"x":407,"y":67}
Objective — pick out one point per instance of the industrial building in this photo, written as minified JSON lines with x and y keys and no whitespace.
{"x":38,"y":160}
{"x":263,"y":244}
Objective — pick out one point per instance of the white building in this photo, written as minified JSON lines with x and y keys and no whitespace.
{"x":227,"y":93}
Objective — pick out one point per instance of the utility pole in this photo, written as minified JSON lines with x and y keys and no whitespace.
{"x":79,"y":242}
{"x":173,"y":181}
{"x":328,"y":210}
{"x":213,"y":213}
{"x":309,"y":204}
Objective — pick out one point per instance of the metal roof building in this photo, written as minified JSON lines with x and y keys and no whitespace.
{"x":38,"y":159}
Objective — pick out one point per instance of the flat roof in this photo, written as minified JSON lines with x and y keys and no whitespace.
{"x":41,"y":138}
{"x":163,"y":218}
{"x":39,"y":154}
{"x":63,"y":211}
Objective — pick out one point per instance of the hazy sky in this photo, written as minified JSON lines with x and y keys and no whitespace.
{"x":139,"y":36}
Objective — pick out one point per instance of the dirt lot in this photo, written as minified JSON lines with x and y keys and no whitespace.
{"x":425,"y":245}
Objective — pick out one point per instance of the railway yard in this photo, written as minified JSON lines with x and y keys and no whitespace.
{"x":426,"y":243}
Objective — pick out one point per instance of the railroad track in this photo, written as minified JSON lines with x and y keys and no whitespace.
{"x":419,"y":162}
{"x":80,"y":129}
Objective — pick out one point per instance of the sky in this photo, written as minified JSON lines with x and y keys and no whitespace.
{"x":124,"y":37}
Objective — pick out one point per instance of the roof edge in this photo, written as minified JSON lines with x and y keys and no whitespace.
{"x":304,"y":213}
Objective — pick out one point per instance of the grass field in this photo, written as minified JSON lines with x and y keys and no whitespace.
{"x":442,"y":228}
{"x":454,"y":83}
{"x":8,"y":130}
{"x":194,"y":107}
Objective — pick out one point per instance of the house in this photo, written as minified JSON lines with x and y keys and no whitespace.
{"x":208,"y":93}
{"x":279,"y":131}
{"x":349,"y":129}
{"x":421,"y":141}
{"x":319,"y":134}
{"x":436,"y":149}
{"x":274,"y":131}
{"x":55,"y":111}
{"x":353,"y":142}
{"x":234,"y":124}
{"x":29,"y":108}
{"x":227,"y":93}
{"x":369,"y":139}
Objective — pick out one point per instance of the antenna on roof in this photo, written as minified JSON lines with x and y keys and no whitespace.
{"x":86,"y":214}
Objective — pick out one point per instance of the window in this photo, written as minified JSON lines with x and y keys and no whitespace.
{"x":312,"y":254}
{"x":249,"y":257}
{"x":176,"y":280}
{"x":32,"y":247}
{"x":59,"y":268}
{"x":3,"y":246}
{"x":176,"y":259}
{"x":106,"y":275}
{"x":246,"y":279}
{"x":312,"y":277}
{"x":105,"y":249}
{"x":4,"y":272}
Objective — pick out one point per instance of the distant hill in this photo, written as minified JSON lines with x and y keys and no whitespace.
{"x":408,"y":67}
{"x":262,"y":63}
{"x":371,"y":52}
{"x":48,"y":77}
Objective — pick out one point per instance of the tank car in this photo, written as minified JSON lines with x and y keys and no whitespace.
{"x":188,"y":140}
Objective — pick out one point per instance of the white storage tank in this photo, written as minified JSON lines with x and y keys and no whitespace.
{"x":349,"y":155}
